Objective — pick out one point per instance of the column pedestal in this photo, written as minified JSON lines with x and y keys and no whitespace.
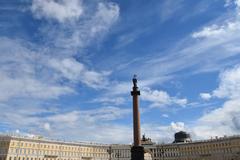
{"x":137,"y":153}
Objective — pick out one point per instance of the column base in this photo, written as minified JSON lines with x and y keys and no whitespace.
{"x":137,"y":153}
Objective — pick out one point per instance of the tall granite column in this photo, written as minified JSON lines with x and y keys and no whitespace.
{"x":137,"y":151}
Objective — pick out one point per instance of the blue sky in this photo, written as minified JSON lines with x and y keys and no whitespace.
{"x":66,"y":68}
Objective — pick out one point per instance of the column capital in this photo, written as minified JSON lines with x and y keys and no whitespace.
{"x":135,"y":93}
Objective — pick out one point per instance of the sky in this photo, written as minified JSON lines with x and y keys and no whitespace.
{"x":66,"y":68}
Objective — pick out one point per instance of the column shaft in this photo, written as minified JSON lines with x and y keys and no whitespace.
{"x":136,"y":122}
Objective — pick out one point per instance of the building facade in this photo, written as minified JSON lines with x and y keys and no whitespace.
{"x":20,"y":148}
{"x":224,"y":148}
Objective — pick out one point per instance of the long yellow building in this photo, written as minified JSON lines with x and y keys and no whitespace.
{"x":22,"y":148}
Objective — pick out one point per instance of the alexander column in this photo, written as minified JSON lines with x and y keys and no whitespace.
{"x":137,"y":151}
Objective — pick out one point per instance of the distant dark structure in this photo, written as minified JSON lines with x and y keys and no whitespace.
{"x":146,"y":141}
{"x":137,"y":150}
{"x":182,"y":137}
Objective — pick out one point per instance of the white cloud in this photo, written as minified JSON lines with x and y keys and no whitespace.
{"x":37,"y":73}
{"x":70,"y":124}
{"x":109,"y":100}
{"x":169,"y":8}
{"x":65,"y":124}
{"x":215,"y":31}
{"x":209,"y":31}
{"x":230,"y":2}
{"x":106,"y":113}
{"x":205,"y":96}
{"x":81,"y":33}
{"x":47,"y":126}
{"x":58,"y":10}
{"x":161,"y":98}
{"x":211,"y":49}
{"x":178,"y":126}
{"x":31,"y":72}
{"x":17,"y":131}
{"x":124,"y":87}
{"x":163,"y":133}
{"x":229,"y":86}
{"x":77,"y":72}
{"x":66,"y":118}
{"x":20,"y":73}
{"x":68,"y":39}
{"x":24,"y":116}
{"x":222,"y":31}
{"x":88,"y":117}
{"x":106,"y":15}
{"x":29,"y":88}
{"x":219,"y":122}
{"x":128,"y":38}
{"x":165,"y":115}
{"x":223,"y":120}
